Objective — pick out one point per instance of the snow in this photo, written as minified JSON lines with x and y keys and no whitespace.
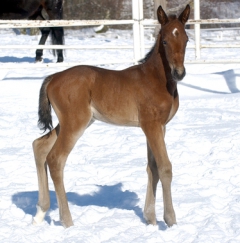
{"x":105,"y":175}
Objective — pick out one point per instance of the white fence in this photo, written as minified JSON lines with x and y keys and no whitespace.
{"x":138,"y":34}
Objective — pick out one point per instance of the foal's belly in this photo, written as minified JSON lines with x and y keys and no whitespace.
{"x":116,"y":117}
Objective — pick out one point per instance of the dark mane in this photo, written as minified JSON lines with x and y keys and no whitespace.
{"x":147,"y":56}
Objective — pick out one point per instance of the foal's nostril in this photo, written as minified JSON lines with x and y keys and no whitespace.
{"x":178,"y":74}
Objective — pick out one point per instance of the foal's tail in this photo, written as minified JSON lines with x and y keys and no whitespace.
{"x":44,"y":108}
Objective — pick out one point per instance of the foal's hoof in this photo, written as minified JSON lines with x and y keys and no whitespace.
{"x":35,"y":221}
{"x":150,"y":219}
{"x":152,"y":222}
{"x":170,"y":221}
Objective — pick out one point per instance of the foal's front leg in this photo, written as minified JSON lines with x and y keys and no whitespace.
{"x":41,"y":148}
{"x":153,"y":178}
{"x":160,"y":167}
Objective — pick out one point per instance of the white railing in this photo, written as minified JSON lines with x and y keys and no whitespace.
{"x":6,"y":24}
{"x":138,"y":34}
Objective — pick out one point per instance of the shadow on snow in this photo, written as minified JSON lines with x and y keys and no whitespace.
{"x":230,"y":78}
{"x":107,"y":196}
{"x":21,"y":59}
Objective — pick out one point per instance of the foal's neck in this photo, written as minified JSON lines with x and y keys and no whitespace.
{"x":159,"y":60}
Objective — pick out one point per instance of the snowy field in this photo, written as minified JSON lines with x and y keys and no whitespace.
{"x":105,"y":176}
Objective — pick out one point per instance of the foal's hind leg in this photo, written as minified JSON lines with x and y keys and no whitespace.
{"x":41,"y":148}
{"x":155,"y":136}
{"x":72,"y":128}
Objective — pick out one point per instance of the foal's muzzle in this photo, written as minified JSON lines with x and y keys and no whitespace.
{"x":178,"y":73}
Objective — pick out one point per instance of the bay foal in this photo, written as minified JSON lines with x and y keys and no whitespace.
{"x":144,"y":95}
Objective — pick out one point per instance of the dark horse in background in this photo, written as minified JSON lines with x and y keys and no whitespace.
{"x":32,"y":10}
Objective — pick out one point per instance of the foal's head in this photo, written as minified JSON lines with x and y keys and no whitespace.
{"x":173,"y":40}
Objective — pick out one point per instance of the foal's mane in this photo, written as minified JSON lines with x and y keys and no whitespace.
{"x":147,"y":56}
{"x":172,"y":17}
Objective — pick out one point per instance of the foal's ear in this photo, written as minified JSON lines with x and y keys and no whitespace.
{"x":184,"y":15}
{"x":162,"y":17}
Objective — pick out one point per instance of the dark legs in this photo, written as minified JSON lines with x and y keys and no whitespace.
{"x":54,"y":10}
{"x":39,"y":52}
{"x":57,"y":39}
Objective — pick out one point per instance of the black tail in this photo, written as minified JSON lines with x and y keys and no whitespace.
{"x":44,"y":108}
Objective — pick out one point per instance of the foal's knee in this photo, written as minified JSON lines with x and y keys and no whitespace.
{"x":165,"y":173}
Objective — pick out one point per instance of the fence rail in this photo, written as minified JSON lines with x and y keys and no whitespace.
{"x":65,"y":47}
{"x":57,"y":23}
{"x":138,"y":36}
{"x":73,"y":23}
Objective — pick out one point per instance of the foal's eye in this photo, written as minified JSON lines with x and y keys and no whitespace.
{"x":164,"y":43}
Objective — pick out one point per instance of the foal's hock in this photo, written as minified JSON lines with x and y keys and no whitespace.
{"x":144,"y":95}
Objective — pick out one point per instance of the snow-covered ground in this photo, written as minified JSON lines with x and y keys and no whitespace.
{"x":105,"y":176}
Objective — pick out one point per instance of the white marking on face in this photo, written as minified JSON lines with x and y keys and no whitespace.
{"x":175,"y":31}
